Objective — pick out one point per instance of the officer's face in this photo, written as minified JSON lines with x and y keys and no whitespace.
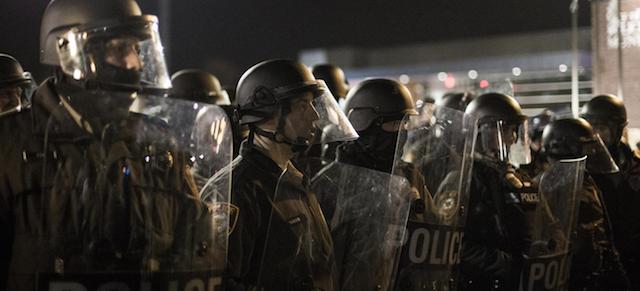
{"x":9,"y":98}
{"x":605,"y":131}
{"x":497,"y":138}
{"x":300,"y":121}
{"x":123,"y":53}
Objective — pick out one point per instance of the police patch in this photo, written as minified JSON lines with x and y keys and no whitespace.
{"x":224,"y":214}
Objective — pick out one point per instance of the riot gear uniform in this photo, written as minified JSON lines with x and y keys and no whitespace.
{"x":96,"y":182}
{"x":281,"y":240}
{"x":16,"y":86}
{"x":365,"y":262}
{"x":497,"y":232}
{"x":595,"y":261}
{"x":621,"y":191}
{"x":15,"y":93}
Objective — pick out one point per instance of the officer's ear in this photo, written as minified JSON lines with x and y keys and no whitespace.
{"x":268,"y":124}
{"x":271,"y":124}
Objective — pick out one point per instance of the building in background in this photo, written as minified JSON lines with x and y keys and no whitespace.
{"x":616,"y":59}
{"x":534,"y":67}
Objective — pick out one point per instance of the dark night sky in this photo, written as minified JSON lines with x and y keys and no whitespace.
{"x":226,"y":37}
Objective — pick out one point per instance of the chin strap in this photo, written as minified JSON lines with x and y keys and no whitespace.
{"x":298,"y":145}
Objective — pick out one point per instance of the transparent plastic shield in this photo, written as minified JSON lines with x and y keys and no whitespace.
{"x":434,"y":153}
{"x":16,"y":98}
{"x":10,"y":101}
{"x":599,"y":160}
{"x":506,"y":141}
{"x":547,"y":262}
{"x":121,"y":200}
{"x":332,"y":124}
{"x":366,"y":211}
{"x":125,"y":55}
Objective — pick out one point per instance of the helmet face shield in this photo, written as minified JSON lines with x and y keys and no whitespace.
{"x":608,"y":131}
{"x":314,"y":117}
{"x":10,"y":100}
{"x":128,"y":54}
{"x":506,"y":141}
{"x":599,"y":160}
{"x":16,"y":97}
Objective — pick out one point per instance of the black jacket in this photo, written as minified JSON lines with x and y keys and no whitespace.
{"x":281,"y":240}
{"x":595,"y":263}
{"x":496,"y":232}
{"x":621,"y":195}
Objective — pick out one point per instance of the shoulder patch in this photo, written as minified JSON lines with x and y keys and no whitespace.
{"x":225,"y":214}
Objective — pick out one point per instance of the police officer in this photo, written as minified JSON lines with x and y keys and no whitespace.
{"x":281,"y":240}
{"x":89,"y":186}
{"x":496,"y":233}
{"x":15,"y":90}
{"x":595,"y":261}
{"x":376,"y":108}
{"x":16,"y":86}
{"x":621,"y":191}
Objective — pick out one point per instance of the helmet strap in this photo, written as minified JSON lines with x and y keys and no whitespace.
{"x":279,"y":136}
{"x":299,"y":145}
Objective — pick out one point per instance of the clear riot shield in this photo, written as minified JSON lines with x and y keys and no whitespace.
{"x":434,"y":153}
{"x":121,"y":205}
{"x":366,"y":211}
{"x":547,"y":263}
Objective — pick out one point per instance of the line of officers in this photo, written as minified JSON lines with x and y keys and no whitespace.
{"x":108,"y":184}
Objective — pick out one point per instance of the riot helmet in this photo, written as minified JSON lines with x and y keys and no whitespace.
{"x":456,"y":100}
{"x":377,"y":108}
{"x":376,"y":101}
{"x":286,"y":92}
{"x":103,"y":44}
{"x":335,"y":79}
{"x":502,"y":128}
{"x":198,"y":86}
{"x":572,"y":138}
{"x":16,"y":86}
{"x":608,"y":117}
